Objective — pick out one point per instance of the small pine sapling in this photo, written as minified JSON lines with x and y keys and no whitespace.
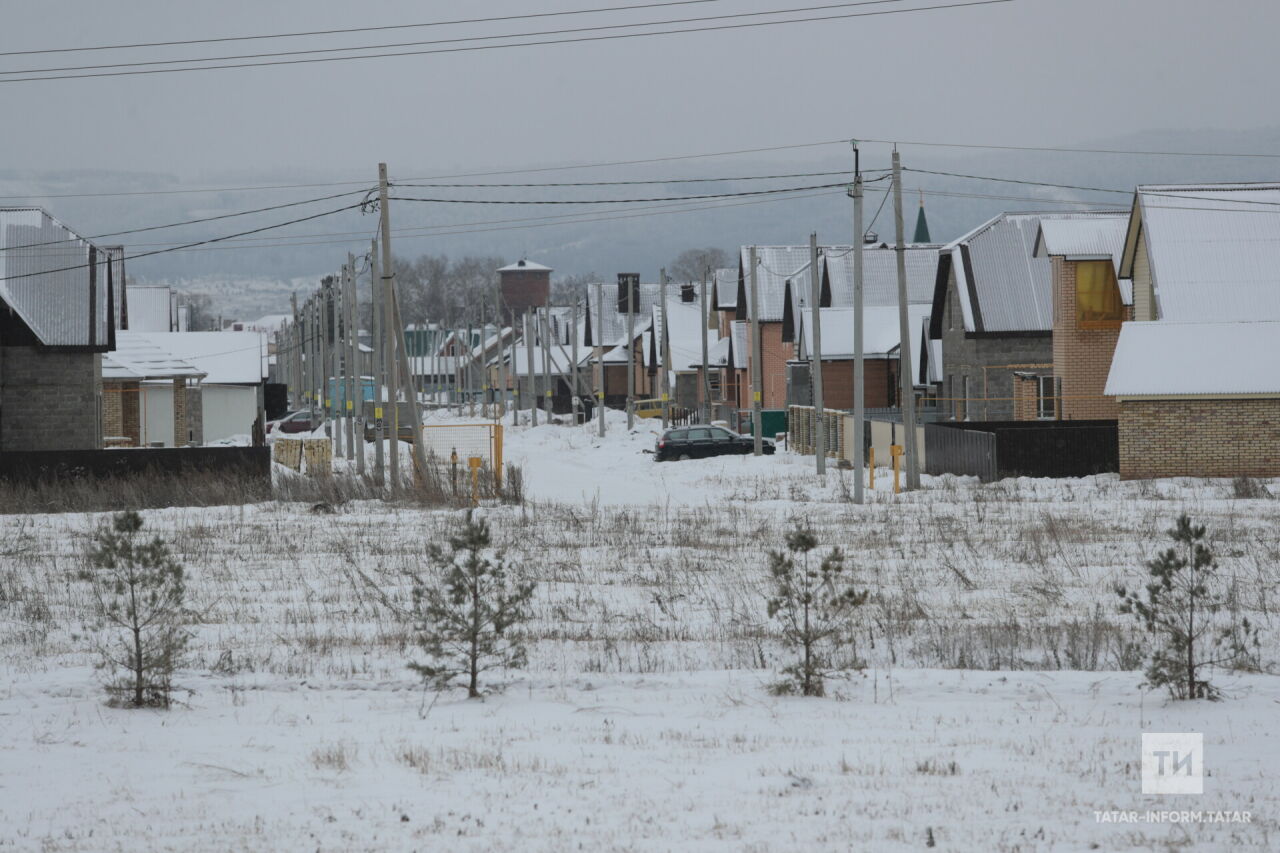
{"x":1178,"y":610}
{"x":814,"y":602}
{"x":139,"y":591}
{"x":465,"y":618}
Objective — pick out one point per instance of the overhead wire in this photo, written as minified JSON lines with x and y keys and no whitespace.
{"x":522,"y":44}
{"x":346,"y":30}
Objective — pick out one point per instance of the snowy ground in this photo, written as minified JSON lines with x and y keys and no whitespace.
{"x":997,"y":710}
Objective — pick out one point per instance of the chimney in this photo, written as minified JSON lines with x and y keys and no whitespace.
{"x":628,"y":288}
{"x":686,"y":293}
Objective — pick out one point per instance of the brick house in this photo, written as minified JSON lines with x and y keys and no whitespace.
{"x":148,"y":396}
{"x":881,"y":347}
{"x":1198,"y":399}
{"x":993,"y":312}
{"x":1193,"y":373}
{"x":57,"y":317}
{"x":1089,"y":304}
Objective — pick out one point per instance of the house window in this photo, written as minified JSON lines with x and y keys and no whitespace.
{"x":1098,"y":304}
{"x":1046,"y":399}
{"x":713,"y":382}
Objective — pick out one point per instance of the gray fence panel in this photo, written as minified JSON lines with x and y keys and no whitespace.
{"x":949,"y":450}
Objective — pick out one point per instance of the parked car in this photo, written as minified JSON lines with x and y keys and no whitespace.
{"x":697,"y":442}
{"x":299,"y":421}
{"x":371,"y":431}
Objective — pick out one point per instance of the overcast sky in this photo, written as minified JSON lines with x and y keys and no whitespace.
{"x":1028,"y":71}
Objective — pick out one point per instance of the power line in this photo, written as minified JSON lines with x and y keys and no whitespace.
{"x":194,"y":244}
{"x":541,"y":43}
{"x":181,"y":224}
{"x":635,"y":183}
{"x":456,"y":40}
{"x":614,"y":200}
{"x":1071,"y":150}
{"x":352,"y":29}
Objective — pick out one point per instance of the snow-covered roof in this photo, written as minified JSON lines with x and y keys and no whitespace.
{"x":226,"y":358}
{"x":524,"y":265}
{"x":684,"y":331}
{"x":775,"y":265}
{"x":879,"y":275}
{"x":1099,"y":238}
{"x":137,"y":357}
{"x":738,"y":353}
{"x":615,"y":321}
{"x":1214,"y":249}
{"x":1167,"y":358}
{"x":1001,"y":284}
{"x":881,"y":332}
{"x":717,"y":353}
{"x":724,"y":289}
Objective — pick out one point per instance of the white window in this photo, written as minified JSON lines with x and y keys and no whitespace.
{"x":1046,"y":398}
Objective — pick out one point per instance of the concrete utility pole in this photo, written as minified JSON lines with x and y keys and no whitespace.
{"x":357,"y":396}
{"x":469,"y":378}
{"x":859,"y":390}
{"x":335,"y":434}
{"x":598,"y":343}
{"x":500,"y":399}
{"x":349,"y":346}
{"x":815,"y":360}
{"x":660,"y":349}
{"x":379,"y":369}
{"x":546,"y":360}
{"x":295,"y":397}
{"x":904,"y":350}
{"x":399,"y":369}
{"x":342,"y":435}
{"x":577,"y":394}
{"x":529,"y":372}
{"x":757,"y":350}
{"x":705,"y":385}
{"x":632,"y":289}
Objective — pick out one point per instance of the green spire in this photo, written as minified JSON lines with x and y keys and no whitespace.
{"x":922,"y":225}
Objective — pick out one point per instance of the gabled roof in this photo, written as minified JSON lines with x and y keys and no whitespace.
{"x":1166,"y":358}
{"x":61,"y":285}
{"x":615,"y":321}
{"x":226,"y":358}
{"x":1214,"y":249}
{"x":1099,"y":238}
{"x":137,"y":357}
{"x":684,"y":331}
{"x":879,"y":275}
{"x":775,"y":265}
{"x":724,"y":289}
{"x":1001,"y":284}
{"x":524,"y":265}
{"x":881,"y":332}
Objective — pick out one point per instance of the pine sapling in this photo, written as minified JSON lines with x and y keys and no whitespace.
{"x":1179,"y":610}
{"x":466,"y":617}
{"x":815,"y":602}
{"x":139,"y":591}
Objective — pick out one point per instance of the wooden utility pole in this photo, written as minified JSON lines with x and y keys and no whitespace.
{"x":598,"y":343}
{"x":908,"y":400}
{"x":859,"y":389}
{"x":379,"y":369}
{"x":705,"y":385}
{"x":815,"y":361}
{"x":757,"y":374}
{"x":660,"y":349}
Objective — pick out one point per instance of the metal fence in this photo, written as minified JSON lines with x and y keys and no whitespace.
{"x":996,"y":449}
{"x":959,"y":451}
{"x":251,"y":463}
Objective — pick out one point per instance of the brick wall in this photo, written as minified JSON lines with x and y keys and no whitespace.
{"x":986,"y":361}
{"x":1026,"y":397}
{"x":837,"y":383}
{"x":180,"y":412}
{"x":524,"y":289}
{"x":1199,"y":438}
{"x":774,"y":355}
{"x":1081,"y":357}
{"x":49,"y":400}
{"x":195,"y":415}
{"x":113,"y":410}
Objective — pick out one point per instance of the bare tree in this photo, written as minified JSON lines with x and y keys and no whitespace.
{"x":691,"y":264}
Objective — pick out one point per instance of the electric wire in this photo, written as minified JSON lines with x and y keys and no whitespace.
{"x":485,"y":47}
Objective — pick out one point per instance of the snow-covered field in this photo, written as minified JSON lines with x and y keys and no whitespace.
{"x":998,"y":710}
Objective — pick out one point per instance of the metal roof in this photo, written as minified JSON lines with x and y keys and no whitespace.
{"x":136,"y":356}
{"x":880,"y":275}
{"x":1166,"y":358}
{"x":725,"y":289}
{"x":226,"y":358}
{"x":775,"y":265}
{"x":881,"y":332}
{"x":1214,"y":250}
{"x":150,"y":308}
{"x":615,"y":321}
{"x":60,"y":284}
{"x":1003,"y":286}
{"x":738,"y":354}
